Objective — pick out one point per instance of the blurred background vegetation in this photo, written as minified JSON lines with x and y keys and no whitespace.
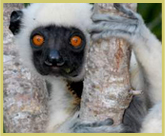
{"x":152,"y":15}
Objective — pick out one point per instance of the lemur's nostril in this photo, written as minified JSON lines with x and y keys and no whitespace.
{"x":54,"y":59}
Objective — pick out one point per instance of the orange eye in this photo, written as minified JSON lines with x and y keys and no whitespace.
{"x":75,"y":41}
{"x":38,"y":40}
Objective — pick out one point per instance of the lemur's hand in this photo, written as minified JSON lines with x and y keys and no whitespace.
{"x":96,"y":127}
{"x":132,"y":120}
{"x":105,"y":25}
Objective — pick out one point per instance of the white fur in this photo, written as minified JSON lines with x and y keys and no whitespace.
{"x":43,"y":14}
{"x":60,"y":104}
{"x":78,"y":15}
{"x":59,"y":14}
{"x":148,"y":51}
{"x":136,"y":75}
{"x":153,"y":121}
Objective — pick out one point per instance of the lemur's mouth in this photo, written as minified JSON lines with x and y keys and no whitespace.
{"x":55,"y":68}
{"x":64,"y":71}
{"x":67,"y":71}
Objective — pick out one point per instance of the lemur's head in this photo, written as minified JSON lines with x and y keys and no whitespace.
{"x":52,"y":38}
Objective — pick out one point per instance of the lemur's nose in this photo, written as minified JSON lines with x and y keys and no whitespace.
{"x":54,"y":59}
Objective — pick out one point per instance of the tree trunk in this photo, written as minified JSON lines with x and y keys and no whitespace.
{"x":24,"y":95}
{"x":107,"y":86}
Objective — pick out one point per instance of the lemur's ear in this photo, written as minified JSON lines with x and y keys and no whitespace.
{"x":15,"y":21}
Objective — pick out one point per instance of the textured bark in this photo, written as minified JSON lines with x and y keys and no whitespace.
{"x":107,"y":86}
{"x":25,"y":95}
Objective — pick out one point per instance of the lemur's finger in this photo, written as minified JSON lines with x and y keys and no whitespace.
{"x":106,"y":26}
{"x":96,"y":18}
{"x":107,"y":122}
{"x":120,"y":7}
{"x":107,"y":17}
{"x":111,"y":33}
{"x":100,"y":17}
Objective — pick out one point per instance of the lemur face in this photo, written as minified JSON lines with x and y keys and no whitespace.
{"x":52,"y":39}
{"x":57,"y":50}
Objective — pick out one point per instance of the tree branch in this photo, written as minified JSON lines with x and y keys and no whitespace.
{"x":107,"y":85}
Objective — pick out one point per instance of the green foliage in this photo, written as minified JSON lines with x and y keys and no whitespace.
{"x":4,"y":129}
{"x":26,"y":4}
{"x":152,"y":15}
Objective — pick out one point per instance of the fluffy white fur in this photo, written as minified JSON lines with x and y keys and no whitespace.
{"x":152,"y":64}
{"x":149,"y":53}
{"x":43,"y":14}
{"x":79,"y":15}
{"x":60,"y":106}
{"x":61,"y":14}
{"x":153,"y":121}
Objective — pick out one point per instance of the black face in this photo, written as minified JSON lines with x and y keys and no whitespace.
{"x":58,"y":51}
